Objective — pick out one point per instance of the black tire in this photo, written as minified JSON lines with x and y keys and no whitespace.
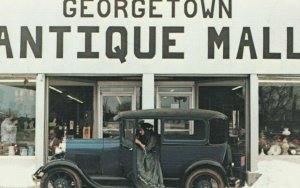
{"x":204,"y":178}
{"x":61,"y":178}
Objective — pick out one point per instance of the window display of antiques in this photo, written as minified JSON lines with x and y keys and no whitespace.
{"x":286,"y":142}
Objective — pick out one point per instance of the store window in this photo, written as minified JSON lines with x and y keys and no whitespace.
{"x":175,"y":97}
{"x":17,"y":116}
{"x":115,"y":99}
{"x":279,"y":118}
{"x":71,"y":111}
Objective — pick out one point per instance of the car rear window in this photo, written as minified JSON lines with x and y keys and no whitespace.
{"x":184,"y":129}
{"x":218,"y":131}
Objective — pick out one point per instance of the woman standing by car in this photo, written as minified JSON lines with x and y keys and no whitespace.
{"x":148,"y":164}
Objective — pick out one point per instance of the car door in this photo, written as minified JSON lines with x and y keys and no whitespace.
{"x":128,"y":148}
{"x":184,"y":141}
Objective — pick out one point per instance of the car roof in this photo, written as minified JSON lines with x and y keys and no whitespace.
{"x":163,"y":113}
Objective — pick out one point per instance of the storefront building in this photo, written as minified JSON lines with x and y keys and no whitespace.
{"x":67,"y":67}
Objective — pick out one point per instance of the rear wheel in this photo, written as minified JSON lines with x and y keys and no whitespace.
{"x":61,"y":178}
{"x":204,"y":178}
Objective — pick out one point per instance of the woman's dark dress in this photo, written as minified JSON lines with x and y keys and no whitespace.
{"x":149,"y":172}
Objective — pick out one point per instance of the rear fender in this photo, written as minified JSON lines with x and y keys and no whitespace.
{"x":206,"y":164}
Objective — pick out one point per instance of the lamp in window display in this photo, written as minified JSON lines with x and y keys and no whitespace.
{"x":286,"y":132}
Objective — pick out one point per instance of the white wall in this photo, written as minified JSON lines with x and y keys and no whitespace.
{"x":148,"y":95}
{"x":16,"y":171}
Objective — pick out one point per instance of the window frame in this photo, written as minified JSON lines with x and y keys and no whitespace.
{"x":33,"y":79}
{"x":185,"y":141}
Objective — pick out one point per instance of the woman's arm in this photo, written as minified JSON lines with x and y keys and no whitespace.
{"x":140,"y":144}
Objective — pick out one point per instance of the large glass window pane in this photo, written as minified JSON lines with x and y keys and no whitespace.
{"x":175,"y":97}
{"x":279,"y":122}
{"x":70,"y":111}
{"x":17,"y":116}
{"x":180,"y":102}
{"x":111,"y":106}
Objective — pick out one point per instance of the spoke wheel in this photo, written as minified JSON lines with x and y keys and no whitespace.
{"x":60,"y":178}
{"x":204,"y":178}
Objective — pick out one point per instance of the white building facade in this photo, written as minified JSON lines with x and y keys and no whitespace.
{"x":78,"y":62}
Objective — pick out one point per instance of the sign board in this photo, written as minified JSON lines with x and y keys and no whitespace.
{"x":150,"y":36}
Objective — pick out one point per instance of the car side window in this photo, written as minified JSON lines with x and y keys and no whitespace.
{"x":184,"y":129}
{"x":128,"y":129}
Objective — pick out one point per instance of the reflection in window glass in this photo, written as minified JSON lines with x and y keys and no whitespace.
{"x":177,"y":102}
{"x":175,"y":97}
{"x":175,"y":89}
{"x":279,"y":122}
{"x":117,"y":89}
{"x":184,"y":129}
{"x":128,"y":129}
{"x":17,"y":116}
{"x":111,"y":106}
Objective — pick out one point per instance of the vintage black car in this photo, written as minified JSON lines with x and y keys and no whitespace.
{"x":193,"y":153}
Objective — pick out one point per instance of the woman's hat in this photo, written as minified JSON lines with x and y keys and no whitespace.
{"x":146,"y":126}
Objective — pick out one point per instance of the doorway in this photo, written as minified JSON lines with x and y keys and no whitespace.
{"x":112,"y":100}
{"x":227,"y":95}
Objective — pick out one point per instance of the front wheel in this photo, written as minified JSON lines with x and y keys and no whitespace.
{"x":61,"y":178}
{"x":204,"y":178}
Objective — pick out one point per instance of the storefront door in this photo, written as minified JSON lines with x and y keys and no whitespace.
{"x":112,"y":102}
{"x":227,"y":95}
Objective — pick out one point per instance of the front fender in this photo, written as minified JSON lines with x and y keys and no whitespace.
{"x":214,"y":165}
{"x":66,"y":164}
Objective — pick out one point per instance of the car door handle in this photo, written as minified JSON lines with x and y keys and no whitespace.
{"x":127,"y":147}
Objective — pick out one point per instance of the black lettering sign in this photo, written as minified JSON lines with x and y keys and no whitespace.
{"x":88,"y":42}
{"x":214,"y":38}
{"x":5,"y":41}
{"x":266,"y":46}
{"x":27,"y":38}
{"x":137,"y":43}
{"x":167,"y":42}
{"x":246,"y":42}
{"x":60,"y":30}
